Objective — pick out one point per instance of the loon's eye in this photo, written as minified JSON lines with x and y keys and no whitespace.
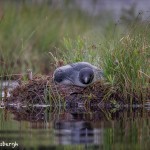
{"x":86,"y":75}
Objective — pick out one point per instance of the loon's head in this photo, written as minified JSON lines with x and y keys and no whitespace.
{"x":86,"y":75}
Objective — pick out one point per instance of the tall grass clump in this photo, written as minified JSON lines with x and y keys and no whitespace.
{"x":123,"y":56}
{"x":79,"y":49}
{"x":126,"y":62}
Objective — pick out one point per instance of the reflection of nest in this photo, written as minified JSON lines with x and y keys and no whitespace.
{"x":40,"y":114}
{"x":42,"y":90}
{"x":48,"y":114}
{"x":29,"y":114}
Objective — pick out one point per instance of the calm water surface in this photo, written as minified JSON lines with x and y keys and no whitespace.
{"x":43,"y":128}
{"x":84,"y":128}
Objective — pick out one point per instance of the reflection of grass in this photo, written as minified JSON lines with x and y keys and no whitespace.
{"x":129,"y":130}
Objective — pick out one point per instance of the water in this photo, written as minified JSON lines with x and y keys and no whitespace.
{"x":45,"y":127}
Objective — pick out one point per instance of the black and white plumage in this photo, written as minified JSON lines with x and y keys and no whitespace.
{"x":79,"y":74}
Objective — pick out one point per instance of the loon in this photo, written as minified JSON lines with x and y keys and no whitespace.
{"x":79,"y":74}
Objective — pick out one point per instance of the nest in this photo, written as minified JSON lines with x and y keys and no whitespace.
{"x":43,"y":90}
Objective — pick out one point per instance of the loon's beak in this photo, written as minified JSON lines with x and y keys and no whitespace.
{"x":86,"y":79}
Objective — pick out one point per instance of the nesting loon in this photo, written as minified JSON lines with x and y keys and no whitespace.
{"x":80,"y":74}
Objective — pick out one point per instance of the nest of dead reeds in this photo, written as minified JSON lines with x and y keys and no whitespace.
{"x":43,"y":90}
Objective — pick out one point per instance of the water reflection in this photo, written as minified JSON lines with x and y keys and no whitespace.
{"x":61,"y":128}
{"x":76,"y":127}
{"x":77,"y":132}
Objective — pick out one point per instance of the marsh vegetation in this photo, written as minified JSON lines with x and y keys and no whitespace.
{"x":42,"y":35}
{"x":40,"y":38}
